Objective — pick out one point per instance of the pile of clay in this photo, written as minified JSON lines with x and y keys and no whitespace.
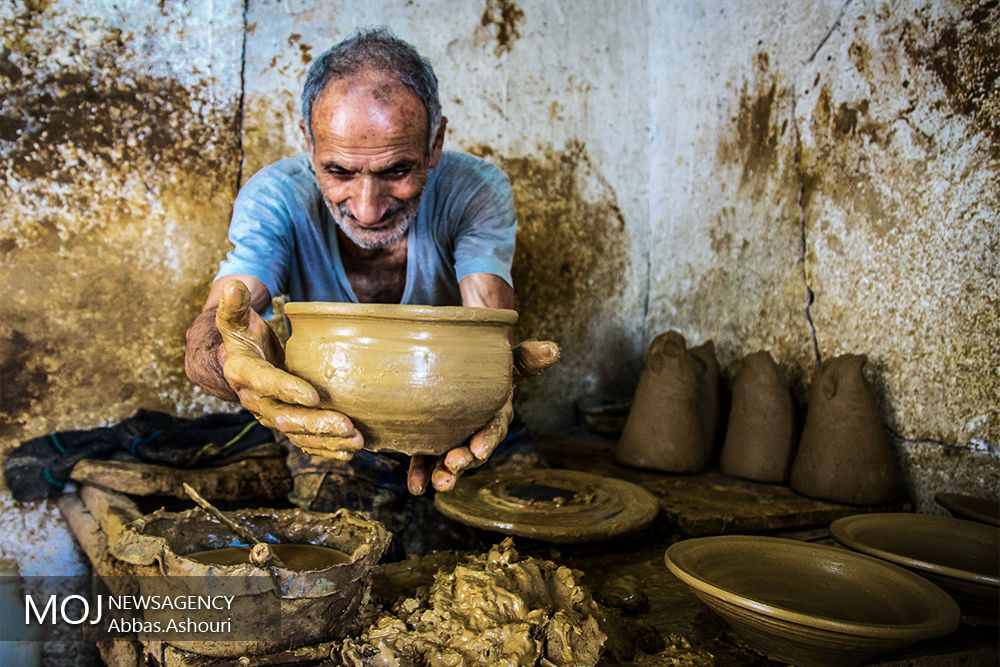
{"x":497,"y":608}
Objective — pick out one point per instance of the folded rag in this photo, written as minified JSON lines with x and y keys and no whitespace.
{"x":39,"y":468}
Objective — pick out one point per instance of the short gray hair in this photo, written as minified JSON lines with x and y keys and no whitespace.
{"x":378,"y":49}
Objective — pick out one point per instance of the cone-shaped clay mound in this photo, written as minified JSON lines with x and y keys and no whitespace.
{"x":845,"y":454}
{"x":663,"y":431}
{"x":760,"y":441}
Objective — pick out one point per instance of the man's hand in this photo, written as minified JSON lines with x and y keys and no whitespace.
{"x":530,"y":358}
{"x":278,"y":399}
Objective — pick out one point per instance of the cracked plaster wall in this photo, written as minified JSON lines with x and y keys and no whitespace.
{"x":830,"y":185}
{"x":119,"y":154}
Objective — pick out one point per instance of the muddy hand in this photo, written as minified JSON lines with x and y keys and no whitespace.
{"x":530,"y":358}
{"x":278,"y":399}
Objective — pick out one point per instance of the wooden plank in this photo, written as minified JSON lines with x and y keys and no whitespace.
{"x":263,"y":478}
{"x":91,"y":538}
{"x":113,"y":511}
{"x":709,"y":503}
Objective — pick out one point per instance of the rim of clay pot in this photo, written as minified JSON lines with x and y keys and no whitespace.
{"x":945,"y":621}
{"x":396,"y":311}
{"x":984,"y":510}
{"x":845,"y":530}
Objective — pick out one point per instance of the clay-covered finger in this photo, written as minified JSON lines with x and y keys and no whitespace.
{"x":458,"y":459}
{"x":257,"y":406}
{"x":268,"y":380}
{"x":312,"y":421}
{"x":442,"y":478}
{"x":486,"y":439}
{"x":419,"y":474}
{"x":233,"y":313}
{"x":531,"y":357}
{"x":335,"y":448}
{"x":337,"y":455}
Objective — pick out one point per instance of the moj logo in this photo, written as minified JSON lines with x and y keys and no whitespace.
{"x":74,"y":610}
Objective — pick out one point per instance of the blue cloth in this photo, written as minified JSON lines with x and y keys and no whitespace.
{"x":283,"y":233}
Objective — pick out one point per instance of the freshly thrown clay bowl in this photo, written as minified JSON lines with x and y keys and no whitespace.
{"x":962,"y":557}
{"x":413,"y":379}
{"x":810,"y":604}
{"x":986,"y":510}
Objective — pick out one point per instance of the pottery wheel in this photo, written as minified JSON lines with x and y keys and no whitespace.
{"x":553,"y":505}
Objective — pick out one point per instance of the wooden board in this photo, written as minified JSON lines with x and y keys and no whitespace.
{"x":709,"y":503}
{"x":259,"y":479}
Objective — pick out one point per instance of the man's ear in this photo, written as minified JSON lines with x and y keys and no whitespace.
{"x":305,"y":135}
{"x":438,"y":142}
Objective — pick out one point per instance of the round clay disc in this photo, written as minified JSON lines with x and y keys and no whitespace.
{"x":563,"y":506}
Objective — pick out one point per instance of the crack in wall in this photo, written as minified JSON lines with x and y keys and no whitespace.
{"x":810,"y":295}
{"x":241,"y":111}
{"x":836,"y":24}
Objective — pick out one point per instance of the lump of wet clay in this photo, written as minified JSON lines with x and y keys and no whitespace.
{"x":760,"y":440}
{"x":497,"y":608}
{"x":664,"y":430}
{"x":845,"y":454}
{"x":624,"y":593}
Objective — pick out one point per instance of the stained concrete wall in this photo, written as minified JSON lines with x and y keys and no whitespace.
{"x":829,"y":185}
{"x":120,"y":151}
{"x":810,"y":178}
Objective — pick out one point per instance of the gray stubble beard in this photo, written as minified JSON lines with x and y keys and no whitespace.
{"x":342,"y":216}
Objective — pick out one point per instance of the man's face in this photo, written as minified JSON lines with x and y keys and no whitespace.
{"x":369,"y":151}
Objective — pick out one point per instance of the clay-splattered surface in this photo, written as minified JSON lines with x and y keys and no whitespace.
{"x":119,"y":151}
{"x":726,"y":231}
{"x":855,"y":166}
{"x":570,"y":273}
{"x":899,"y":145}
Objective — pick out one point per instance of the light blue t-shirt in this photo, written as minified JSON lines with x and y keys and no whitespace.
{"x":283,"y":233}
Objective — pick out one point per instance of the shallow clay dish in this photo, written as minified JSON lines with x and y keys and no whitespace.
{"x":413,"y":379}
{"x":962,"y":557}
{"x":810,"y":604}
{"x":986,"y":510}
{"x":563,"y":506}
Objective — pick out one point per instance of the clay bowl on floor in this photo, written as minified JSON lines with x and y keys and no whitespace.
{"x":272,"y":609}
{"x":810,"y":604}
{"x":985,"y":510}
{"x":962,"y":557}
{"x":413,"y":379}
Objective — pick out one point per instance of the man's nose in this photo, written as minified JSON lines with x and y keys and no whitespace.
{"x":368,"y":204}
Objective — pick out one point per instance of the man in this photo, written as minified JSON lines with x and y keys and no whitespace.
{"x":375,"y":212}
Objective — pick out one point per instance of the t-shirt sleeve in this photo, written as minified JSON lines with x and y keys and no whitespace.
{"x":260,"y":232}
{"x":484,"y":242}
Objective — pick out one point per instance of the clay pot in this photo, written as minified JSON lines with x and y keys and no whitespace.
{"x":845,"y":454}
{"x":760,"y":441}
{"x":277,"y":609}
{"x":413,"y":379}
{"x":663,"y":430}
